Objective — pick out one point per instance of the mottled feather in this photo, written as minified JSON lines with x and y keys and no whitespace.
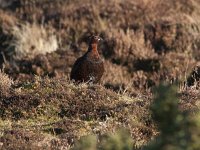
{"x":89,"y":67}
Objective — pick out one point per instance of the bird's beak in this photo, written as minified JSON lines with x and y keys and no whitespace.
{"x":100,"y":39}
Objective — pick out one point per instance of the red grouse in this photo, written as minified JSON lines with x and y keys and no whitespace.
{"x":89,"y":67}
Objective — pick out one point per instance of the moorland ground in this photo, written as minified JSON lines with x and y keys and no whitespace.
{"x":145,"y":43}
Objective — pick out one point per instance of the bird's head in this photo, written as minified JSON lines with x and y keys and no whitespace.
{"x":94,"y":39}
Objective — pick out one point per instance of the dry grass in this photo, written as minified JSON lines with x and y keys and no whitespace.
{"x":5,"y":83}
{"x":145,"y":43}
{"x":32,"y":40}
{"x":68,"y":111}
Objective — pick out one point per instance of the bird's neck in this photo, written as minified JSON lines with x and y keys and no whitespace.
{"x":92,"y":51}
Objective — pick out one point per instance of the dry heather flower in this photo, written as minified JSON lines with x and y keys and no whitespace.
{"x":5,"y":3}
{"x":30,"y":40}
{"x":5,"y":83}
{"x":130,"y":45}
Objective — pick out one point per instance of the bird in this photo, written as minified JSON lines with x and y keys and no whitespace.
{"x":90,"y":67}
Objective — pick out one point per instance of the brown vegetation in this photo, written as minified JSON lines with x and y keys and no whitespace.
{"x":145,"y":43}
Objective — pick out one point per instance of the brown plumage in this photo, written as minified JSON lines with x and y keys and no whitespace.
{"x":89,"y":67}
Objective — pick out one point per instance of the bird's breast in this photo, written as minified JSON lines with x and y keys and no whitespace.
{"x":95,"y":66}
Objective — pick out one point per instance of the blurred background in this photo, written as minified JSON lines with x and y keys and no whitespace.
{"x":145,"y":41}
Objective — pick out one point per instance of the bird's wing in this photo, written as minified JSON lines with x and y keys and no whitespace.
{"x":76,"y":66}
